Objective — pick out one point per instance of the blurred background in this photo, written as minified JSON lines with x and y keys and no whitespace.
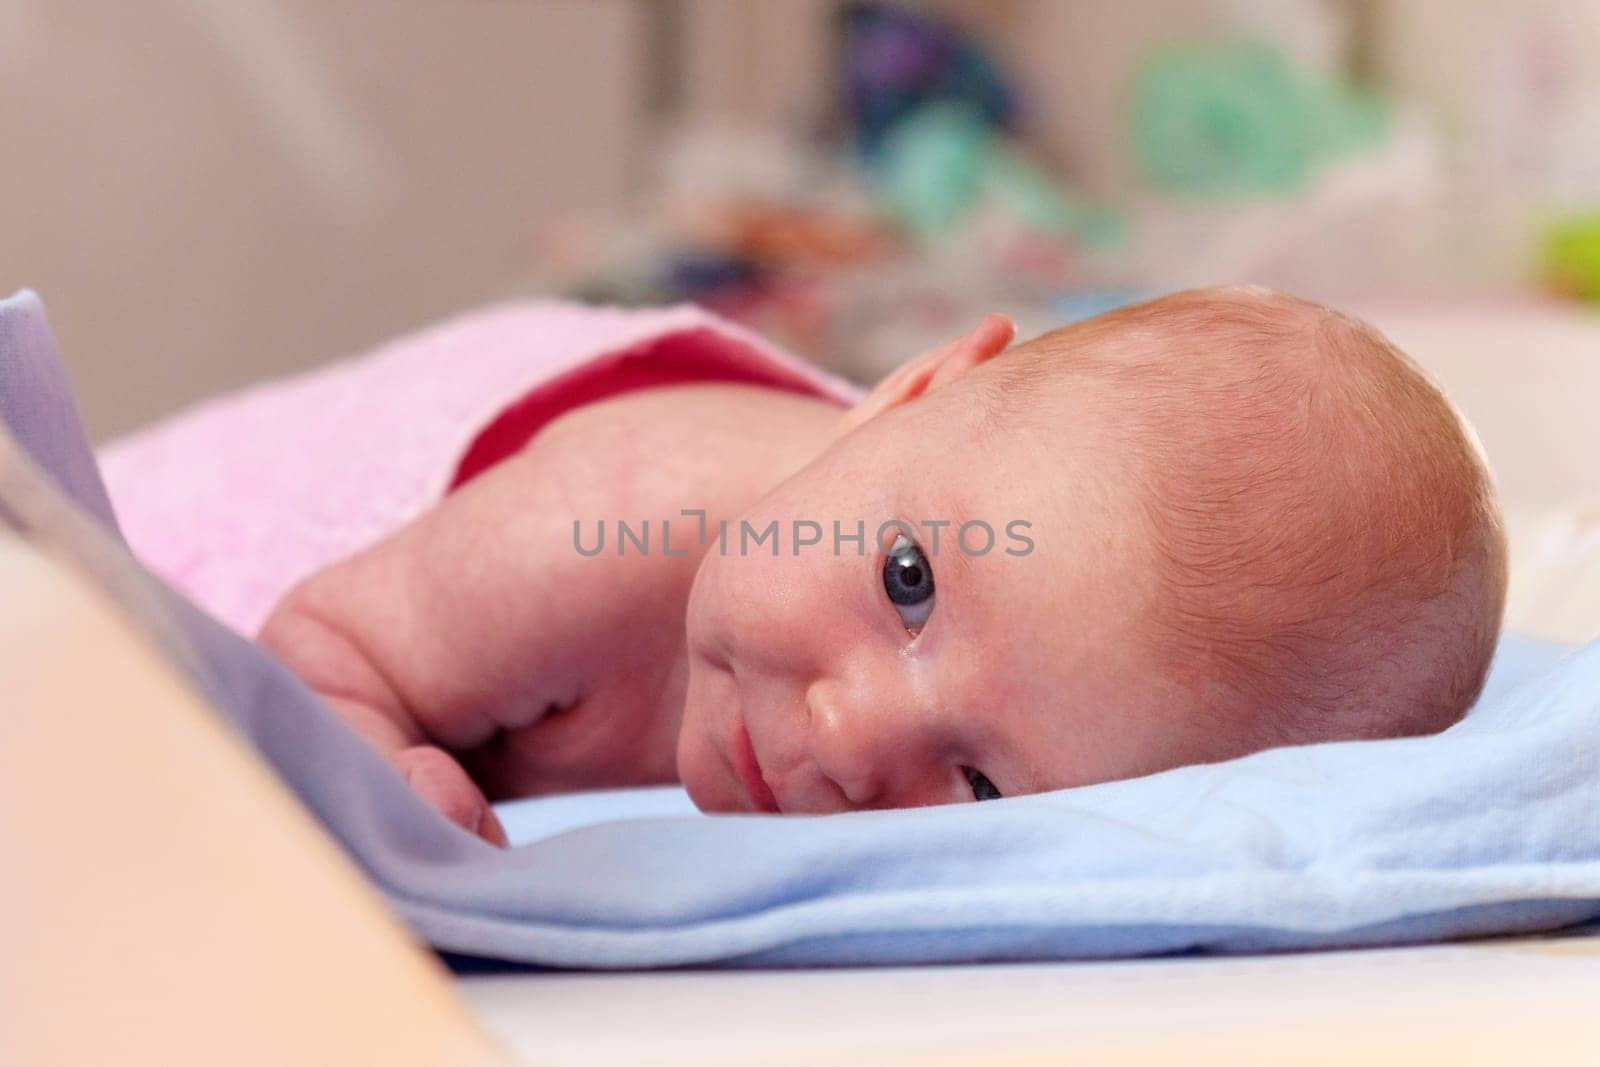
{"x":210,"y":193}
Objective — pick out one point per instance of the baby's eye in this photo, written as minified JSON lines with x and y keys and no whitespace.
{"x":982,"y":788}
{"x":908,"y":579}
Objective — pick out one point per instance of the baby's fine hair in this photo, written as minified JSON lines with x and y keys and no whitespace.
{"x":1332,"y":563}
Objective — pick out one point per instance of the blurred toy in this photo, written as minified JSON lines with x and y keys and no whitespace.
{"x":1240,"y":119}
{"x":925,"y":210}
{"x":898,"y":62}
{"x":942,"y":161}
{"x":935,"y":125}
{"x":1571,"y":256}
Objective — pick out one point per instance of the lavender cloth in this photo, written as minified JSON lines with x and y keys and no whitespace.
{"x":36,"y":405}
{"x":1493,"y":826}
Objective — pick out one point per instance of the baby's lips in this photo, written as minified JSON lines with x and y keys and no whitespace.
{"x":748,"y":768}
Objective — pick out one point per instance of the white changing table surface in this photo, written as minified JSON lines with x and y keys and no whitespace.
{"x":1521,"y":1001}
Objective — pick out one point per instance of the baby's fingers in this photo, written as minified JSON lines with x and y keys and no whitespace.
{"x":439,"y":779}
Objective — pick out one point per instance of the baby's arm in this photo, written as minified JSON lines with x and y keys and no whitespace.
{"x":488,"y":657}
{"x":453,"y":639}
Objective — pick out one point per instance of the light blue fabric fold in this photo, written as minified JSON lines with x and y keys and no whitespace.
{"x":1490,"y":827}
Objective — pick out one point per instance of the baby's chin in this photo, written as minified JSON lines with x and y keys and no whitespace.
{"x":692,"y":762}
{"x":701,"y":768}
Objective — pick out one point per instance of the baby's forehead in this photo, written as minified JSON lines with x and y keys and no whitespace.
{"x":1134,"y":424}
{"x":1199,"y":368}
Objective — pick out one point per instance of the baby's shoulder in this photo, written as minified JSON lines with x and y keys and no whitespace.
{"x":707,"y":445}
{"x":694,"y":412}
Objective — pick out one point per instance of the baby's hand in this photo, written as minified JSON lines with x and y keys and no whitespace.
{"x":450,"y":644}
{"x":327,"y":660}
{"x":441,"y":644}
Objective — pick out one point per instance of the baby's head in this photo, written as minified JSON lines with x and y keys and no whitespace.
{"x":1218,"y":522}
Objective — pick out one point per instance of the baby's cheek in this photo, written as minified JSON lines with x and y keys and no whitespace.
{"x":733,"y":611}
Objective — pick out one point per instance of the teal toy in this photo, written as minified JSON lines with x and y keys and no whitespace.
{"x":1241,"y":119}
{"x":942,"y":161}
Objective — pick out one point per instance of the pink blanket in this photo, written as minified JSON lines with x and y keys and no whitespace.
{"x":238,"y":498}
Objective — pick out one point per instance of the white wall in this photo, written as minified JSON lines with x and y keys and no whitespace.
{"x":207,"y":193}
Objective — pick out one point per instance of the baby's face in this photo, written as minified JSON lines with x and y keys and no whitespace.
{"x":894,"y":674}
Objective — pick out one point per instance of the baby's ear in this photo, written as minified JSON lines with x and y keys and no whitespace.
{"x":933,"y":369}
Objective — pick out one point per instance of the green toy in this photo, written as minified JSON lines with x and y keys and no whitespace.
{"x":1570,"y":256}
{"x":1241,"y":119}
{"x":944,"y":159}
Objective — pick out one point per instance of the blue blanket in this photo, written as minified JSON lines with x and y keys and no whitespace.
{"x":1492,"y":826}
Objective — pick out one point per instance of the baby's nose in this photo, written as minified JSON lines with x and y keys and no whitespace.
{"x":868,"y":742}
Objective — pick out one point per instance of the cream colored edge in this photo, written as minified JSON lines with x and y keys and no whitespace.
{"x":165,"y":899}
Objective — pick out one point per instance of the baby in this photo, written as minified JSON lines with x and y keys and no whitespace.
{"x":1213,"y":523}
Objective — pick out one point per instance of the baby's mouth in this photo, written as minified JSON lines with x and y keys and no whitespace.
{"x":748,"y":768}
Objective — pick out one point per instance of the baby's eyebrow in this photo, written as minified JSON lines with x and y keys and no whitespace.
{"x":941,"y":536}
{"x":937,"y":536}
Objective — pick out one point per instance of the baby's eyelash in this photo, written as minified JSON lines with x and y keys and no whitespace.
{"x":982,"y":788}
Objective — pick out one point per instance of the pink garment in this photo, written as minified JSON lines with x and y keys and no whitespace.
{"x":238,"y":498}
